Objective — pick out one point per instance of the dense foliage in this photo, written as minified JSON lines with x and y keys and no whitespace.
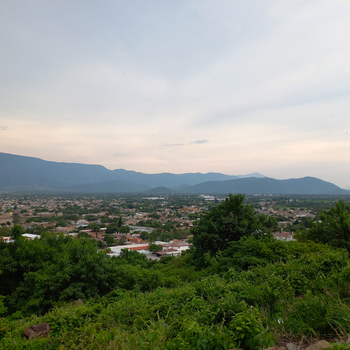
{"x":249,"y":294}
{"x":333,"y":228}
{"x":36,"y":274}
{"x":227,"y":222}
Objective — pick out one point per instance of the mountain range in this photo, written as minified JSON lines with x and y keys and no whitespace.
{"x":28,"y":174}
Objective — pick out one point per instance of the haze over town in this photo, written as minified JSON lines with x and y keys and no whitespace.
{"x":227,"y":86}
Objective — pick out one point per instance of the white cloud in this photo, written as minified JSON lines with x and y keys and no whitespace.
{"x":266,"y":83}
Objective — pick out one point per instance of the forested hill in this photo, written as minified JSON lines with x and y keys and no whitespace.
{"x":305,"y":185}
{"x":20,"y":173}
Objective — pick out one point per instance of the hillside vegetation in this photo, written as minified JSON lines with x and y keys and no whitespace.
{"x":237,"y":288}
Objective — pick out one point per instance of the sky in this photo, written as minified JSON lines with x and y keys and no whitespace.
{"x":234,"y":86}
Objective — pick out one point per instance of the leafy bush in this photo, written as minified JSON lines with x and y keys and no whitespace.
{"x":249,"y":332}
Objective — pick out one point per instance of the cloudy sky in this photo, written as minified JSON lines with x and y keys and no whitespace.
{"x":233,"y":86}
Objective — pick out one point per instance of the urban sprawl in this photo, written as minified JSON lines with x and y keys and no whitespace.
{"x":155,"y":226}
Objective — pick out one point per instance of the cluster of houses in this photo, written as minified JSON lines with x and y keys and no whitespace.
{"x":25,"y":235}
{"x":174,"y":247}
{"x":134,"y":243}
{"x":284,"y":236}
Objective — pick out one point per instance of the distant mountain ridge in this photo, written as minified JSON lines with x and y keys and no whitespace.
{"x":266,"y":185}
{"x":21,"y":173}
{"x":18,"y":173}
{"x":169,"y":179}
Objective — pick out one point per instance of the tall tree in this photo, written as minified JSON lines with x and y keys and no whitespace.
{"x":16,"y":232}
{"x":227,"y":222}
{"x":94,"y":228}
{"x":333,"y":228}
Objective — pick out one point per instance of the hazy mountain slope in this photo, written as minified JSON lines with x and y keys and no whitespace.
{"x":112,"y":186}
{"x":182,"y":188}
{"x":169,"y":180}
{"x":160,"y":190}
{"x":315,"y":185}
{"x":306,"y":185}
{"x":29,"y":173}
{"x":20,"y":172}
{"x":251,"y":175}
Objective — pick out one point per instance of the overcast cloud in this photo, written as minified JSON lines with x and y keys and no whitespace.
{"x":241,"y":86}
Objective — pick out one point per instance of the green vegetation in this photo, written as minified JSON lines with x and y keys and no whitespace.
{"x":155,"y":247}
{"x":227,"y":222}
{"x":4,"y":231}
{"x":158,"y":235}
{"x":333,"y":228}
{"x":247,"y":293}
{"x":314,"y":203}
{"x":109,"y":240}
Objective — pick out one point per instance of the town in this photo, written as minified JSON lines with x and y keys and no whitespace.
{"x":155,"y":226}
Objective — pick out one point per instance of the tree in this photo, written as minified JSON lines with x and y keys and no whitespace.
{"x":152,"y":236}
{"x":16,"y":232}
{"x":104,"y":219}
{"x":61,"y":222}
{"x":333,"y":228}
{"x":144,"y":235}
{"x":124,"y":229}
{"x":154,"y":215}
{"x":37,"y":229}
{"x":168,"y":226}
{"x":227,"y":222}
{"x":109,"y":239}
{"x":155,"y":247}
{"x":101,"y":245}
{"x":121,"y":241}
{"x":113,"y":227}
{"x":16,"y":218}
{"x":82,"y":235}
{"x":94,"y":228}
{"x":4,"y":231}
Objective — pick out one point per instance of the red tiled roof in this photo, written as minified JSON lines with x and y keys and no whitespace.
{"x":139,"y":248}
